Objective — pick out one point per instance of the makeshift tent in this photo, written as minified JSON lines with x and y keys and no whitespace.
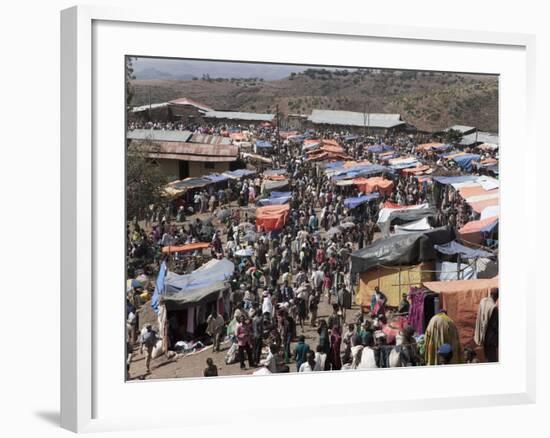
{"x":246,"y":252}
{"x":263,"y":144}
{"x":359,"y":200}
{"x":490,"y":211}
{"x":413,"y":227}
{"x":185,"y":248}
{"x":389,"y":207}
{"x":239,"y":173}
{"x":269,"y":185}
{"x":276,"y":198}
{"x":465,"y":161}
{"x":454,"y":247}
{"x":401,"y":249}
{"x":460,"y":298}
{"x":453,"y":271}
{"x":474,"y":231}
{"x":400,"y":217}
{"x":393,"y":281}
{"x":202,"y":285}
{"x":374,"y":184}
{"x":272,"y":217}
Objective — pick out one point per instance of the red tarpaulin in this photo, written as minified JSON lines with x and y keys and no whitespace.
{"x":185,"y":248}
{"x":272,"y":217}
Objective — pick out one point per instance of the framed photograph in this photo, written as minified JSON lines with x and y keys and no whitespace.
{"x":316,"y":205}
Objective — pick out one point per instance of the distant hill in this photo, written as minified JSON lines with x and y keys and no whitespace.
{"x":428,"y":100}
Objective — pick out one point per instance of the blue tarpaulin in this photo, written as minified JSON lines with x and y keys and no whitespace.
{"x":465,"y":161}
{"x":357,"y":171}
{"x":455,"y":179}
{"x":378,"y":148}
{"x":350,"y":138}
{"x":355,"y":202}
{"x":489,"y":228}
{"x":263,"y":144}
{"x":239,"y":173}
{"x":159,"y":287}
{"x":212,"y":272}
{"x":276,"y":198}
{"x":454,"y":247}
{"x":216,"y":177}
{"x":275,"y":194}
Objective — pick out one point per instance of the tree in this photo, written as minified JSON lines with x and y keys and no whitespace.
{"x":144,"y":179}
{"x":129,"y":87}
{"x":453,"y":136}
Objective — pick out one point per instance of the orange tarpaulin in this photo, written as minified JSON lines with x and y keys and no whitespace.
{"x":476,"y":190}
{"x":460,"y":298}
{"x":185,"y":248}
{"x":427,"y":146}
{"x":389,"y":204}
{"x":238,"y":136}
{"x":272,"y":217}
{"x":418,"y":169}
{"x":479,"y":206}
{"x":330,"y":143}
{"x":471,"y":232}
{"x":275,"y":177}
{"x":374,"y":184}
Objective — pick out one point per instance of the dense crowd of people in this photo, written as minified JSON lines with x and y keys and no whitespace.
{"x":277,"y":288}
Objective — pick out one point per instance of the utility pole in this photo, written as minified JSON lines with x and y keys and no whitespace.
{"x":278,"y":124}
{"x":365,"y":119}
{"x":149,"y":103}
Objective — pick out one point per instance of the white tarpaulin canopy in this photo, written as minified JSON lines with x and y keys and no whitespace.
{"x":413,"y":227}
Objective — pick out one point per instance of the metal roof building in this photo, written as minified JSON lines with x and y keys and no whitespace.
{"x":237,"y":115}
{"x":356,"y":119}
{"x":464,"y":130}
{"x":185,"y":101}
{"x":479,"y":137}
{"x":138,"y":109}
{"x":158,"y":135}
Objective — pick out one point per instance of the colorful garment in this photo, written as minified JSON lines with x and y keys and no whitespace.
{"x":441,"y":330}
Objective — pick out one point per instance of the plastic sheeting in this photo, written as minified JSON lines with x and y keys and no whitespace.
{"x":359,"y":200}
{"x":263,"y":144}
{"x":413,"y":227}
{"x":447,"y":271}
{"x":201,"y":285}
{"x":473,"y":231}
{"x":465,"y":161}
{"x":374,"y":184}
{"x":185,"y":248}
{"x":269,"y":185}
{"x":460,"y":298}
{"x":454,"y":247}
{"x":273,"y":217}
{"x":393,"y":282}
{"x":239,"y":173}
{"x":401,"y":249}
{"x":399,"y":217}
{"x":492,"y":210}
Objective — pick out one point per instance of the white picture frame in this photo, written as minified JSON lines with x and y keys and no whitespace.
{"x":82,"y":362}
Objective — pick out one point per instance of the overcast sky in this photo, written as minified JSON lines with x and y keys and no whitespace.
{"x":162,"y":68}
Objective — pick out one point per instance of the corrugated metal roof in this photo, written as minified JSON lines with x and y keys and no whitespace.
{"x":138,"y":109}
{"x":194,"y":151}
{"x":461,"y":128}
{"x":158,"y":135}
{"x":480,"y":137}
{"x":190,"y":102}
{"x":350,"y":118}
{"x":236,"y":115}
{"x":209,"y":139}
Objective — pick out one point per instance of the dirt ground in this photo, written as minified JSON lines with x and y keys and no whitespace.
{"x":193,"y":365}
